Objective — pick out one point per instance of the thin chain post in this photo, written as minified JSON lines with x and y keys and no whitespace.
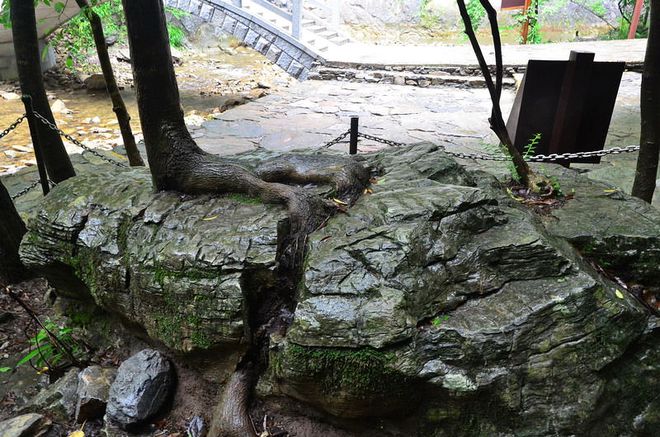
{"x":36,"y":143}
{"x":355,"y":127}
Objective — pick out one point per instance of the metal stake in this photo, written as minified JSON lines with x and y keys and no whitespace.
{"x":36,"y":143}
{"x":353,"y":145}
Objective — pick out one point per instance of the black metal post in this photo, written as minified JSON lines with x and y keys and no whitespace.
{"x":36,"y":143}
{"x":355,"y":123}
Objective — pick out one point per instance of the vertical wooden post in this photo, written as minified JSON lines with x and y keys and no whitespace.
{"x":36,"y":143}
{"x":635,"y":19}
{"x":355,"y":127}
{"x":296,"y":19}
{"x":525,"y":28}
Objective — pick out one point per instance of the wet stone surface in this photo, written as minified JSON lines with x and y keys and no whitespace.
{"x":437,"y":296}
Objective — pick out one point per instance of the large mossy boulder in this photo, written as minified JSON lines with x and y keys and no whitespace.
{"x":437,"y":301}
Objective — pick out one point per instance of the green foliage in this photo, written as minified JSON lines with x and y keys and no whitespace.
{"x":476,"y":13}
{"x":530,"y":150}
{"x":427,"y":17}
{"x":45,"y":352}
{"x":5,"y":369}
{"x":176,"y":34}
{"x":437,"y":321}
{"x":75,"y":37}
{"x":532,"y":18}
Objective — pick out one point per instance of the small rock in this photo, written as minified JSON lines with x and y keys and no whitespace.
{"x":194,"y":120}
{"x":95,"y":82}
{"x":58,"y":399}
{"x":93,"y":389}
{"x":27,"y":425}
{"x":110,"y":40}
{"x":10,"y":96}
{"x":141,"y":387}
{"x":59,"y":107}
{"x":22,"y":149}
{"x":264,"y":85}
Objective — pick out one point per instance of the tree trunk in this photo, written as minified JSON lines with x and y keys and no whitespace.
{"x":647,"y":162}
{"x":495,"y":88}
{"x":177,"y":163}
{"x":28,"y":58}
{"x":118,"y":105}
{"x":12,"y":230}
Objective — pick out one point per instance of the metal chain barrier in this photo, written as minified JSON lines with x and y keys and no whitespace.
{"x":12,"y":126}
{"x":536,"y":158}
{"x":53,"y":127}
{"x":26,"y":190}
{"x":337,"y":140}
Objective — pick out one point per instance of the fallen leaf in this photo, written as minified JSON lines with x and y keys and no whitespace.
{"x":78,"y":433}
{"x":610,"y":191}
{"x":208,"y":219}
{"x":618,"y":294}
{"x":339,"y":202}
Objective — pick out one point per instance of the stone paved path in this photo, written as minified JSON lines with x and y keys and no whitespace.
{"x":311,"y":113}
{"x":631,"y":51}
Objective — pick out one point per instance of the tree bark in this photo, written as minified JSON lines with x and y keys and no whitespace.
{"x":647,"y":162}
{"x":12,"y":230}
{"x":118,"y":106}
{"x":28,"y":58}
{"x":495,"y":89}
{"x":178,"y":164}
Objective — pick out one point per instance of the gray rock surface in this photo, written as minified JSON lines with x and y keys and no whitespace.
{"x":143,"y":384}
{"x":437,"y":296}
{"x":27,"y":425}
{"x":93,"y":389}
{"x":57,"y":400}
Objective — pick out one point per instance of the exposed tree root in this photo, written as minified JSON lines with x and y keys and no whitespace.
{"x":348,"y":176}
{"x":231,"y":417}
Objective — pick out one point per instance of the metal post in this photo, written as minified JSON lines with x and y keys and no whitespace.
{"x":36,"y":143}
{"x":353,"y":145}
{"x":296,"y":19}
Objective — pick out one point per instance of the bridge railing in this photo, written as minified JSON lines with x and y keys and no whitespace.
{"x":295,"y":15}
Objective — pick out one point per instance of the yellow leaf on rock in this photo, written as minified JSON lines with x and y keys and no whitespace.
{"x":78,"y":433}
{"x":208,"y":219}
{"x":610,"y":191}
{"x":618,"y":294}
{"x":339,"y":202}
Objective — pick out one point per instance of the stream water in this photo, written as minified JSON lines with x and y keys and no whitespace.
{"x":209,"y":81}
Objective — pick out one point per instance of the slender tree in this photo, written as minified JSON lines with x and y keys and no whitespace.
{"x":647,"y":162}
{"x":496,"y":120}
{"x":26,"y":47}
{"x":118,"y":106}
{"x":12,"y":230}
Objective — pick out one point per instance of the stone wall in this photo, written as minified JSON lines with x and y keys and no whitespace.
{"x":8,"y":67}
{"x":280,"y":48}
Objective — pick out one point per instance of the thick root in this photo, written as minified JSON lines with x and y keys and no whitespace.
{"x":348,"y":176}
{"x":231,"y":418}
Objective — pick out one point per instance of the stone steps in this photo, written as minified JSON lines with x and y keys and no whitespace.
{"x":436,"y":78}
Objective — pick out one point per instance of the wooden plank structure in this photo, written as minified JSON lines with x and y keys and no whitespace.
{"x":569,"y":103}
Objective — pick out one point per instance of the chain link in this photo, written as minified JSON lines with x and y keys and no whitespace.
{"x":76,"y":142}
{"x":25,"y":190}
{"x":536,"y":158}
{"x":12,"y":126}
{"x":337,"y":140}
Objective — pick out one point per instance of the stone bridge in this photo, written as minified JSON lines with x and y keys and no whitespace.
{"x":292,"y":34}
{"x":48,"y":20}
